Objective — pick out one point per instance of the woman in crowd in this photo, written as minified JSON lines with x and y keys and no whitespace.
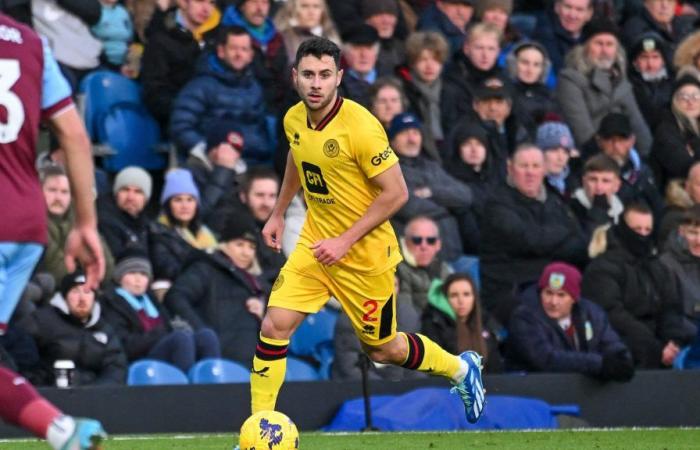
{"x":387,"y":99}
{"x":299,"y":20}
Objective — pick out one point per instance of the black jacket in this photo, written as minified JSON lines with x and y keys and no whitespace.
{"x":642,"y":23}
{"x":555,"y":39}
{"x":653,"y":97}
{"x":640,"y":296}
{"x":212,"y":292}
{"x":121,"y":230}
{"x":169,"y":252}
{"x":94,"y":346}
{"x":671,"y":152}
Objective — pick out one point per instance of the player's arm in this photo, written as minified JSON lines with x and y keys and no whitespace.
{"x":392,"y":197}
{"x":272,"y":232}
{"x":83,"y":242}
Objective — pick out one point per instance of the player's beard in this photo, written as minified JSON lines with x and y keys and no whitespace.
{"x":325,"y":101}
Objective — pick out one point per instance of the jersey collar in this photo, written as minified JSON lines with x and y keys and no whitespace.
{"x":327,"y":119}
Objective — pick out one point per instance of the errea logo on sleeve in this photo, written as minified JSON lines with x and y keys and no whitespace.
{"x":381,"y":157}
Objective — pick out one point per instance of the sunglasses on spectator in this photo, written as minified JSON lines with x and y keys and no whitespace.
{"x":418,"y":240}
{"x":688,"y":97}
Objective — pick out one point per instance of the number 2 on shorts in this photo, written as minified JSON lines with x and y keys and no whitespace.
{"x":371,"y":307}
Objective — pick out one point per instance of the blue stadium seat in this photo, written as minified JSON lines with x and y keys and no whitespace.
{"x":103,"y":89}
{"x":216,"y":370}
{"x":298,"y":370}
{"x":151,"y":372}
{"x":130,"y":131}
{"x":314,"y":338}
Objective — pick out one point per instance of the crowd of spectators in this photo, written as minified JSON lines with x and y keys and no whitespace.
{"x":558,"y":142}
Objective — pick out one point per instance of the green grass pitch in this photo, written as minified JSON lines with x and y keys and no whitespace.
{"x":656,"y":439}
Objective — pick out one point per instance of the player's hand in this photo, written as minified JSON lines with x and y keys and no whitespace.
{"x":669,"y":353}
{"x":83,"y":247}
{"x":330,"y":251}
{"x":272,"y":232}
{"x":255,"y":306}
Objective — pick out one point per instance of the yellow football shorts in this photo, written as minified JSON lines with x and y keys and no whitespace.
{"x":305,"y":285}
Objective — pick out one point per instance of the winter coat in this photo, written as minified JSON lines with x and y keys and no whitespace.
{"x":554,"y":38}
{"x":167,"y":64}
{"x":685,"y":269}
{"x":432,"y":19}
{"x":441,"y":328}
{"x":674,"y":150}
{"x":450,"y":198}
{"x":519,"y":237}
{"x":539,"y":343}
{"x":639,"y":295}
{"x":211,"y":292}
{"x":638,"y":184}
{"x":116,"y":31}
{"x":642,"y":23}
{"x":94,"y":346}
{"x":214,"y":183}
{"x":677,"y":203}
{"x":532,"y":102}
{"x":120,"y":229}
{"x":591,"y":215}
{"x":124,"y":319}
{"x":415,"y":282}
{"x":653,"y":97}
{"x":169,"y":252}
{"x":218,"y":92}
{"x":587,"y":94}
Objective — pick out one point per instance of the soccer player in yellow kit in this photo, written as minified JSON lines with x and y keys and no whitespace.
{"x":339,"y":154}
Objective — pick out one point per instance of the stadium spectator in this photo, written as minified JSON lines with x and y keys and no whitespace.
{"x":65,"y":25}
{"x":555,"y":139}
{"x":677,"y":136}
{"x":225,"y":87}
{"x":596,"y":203}
{"x":383,"y":16}
{"x":421,"y":267}
{"x":616,"y":139}
{"x":637,"y":291}
{"x":651,"y":75}
{"x":350,"y":13}
{"x":73,"y":328}
{"x":682,"y":258}
{"x":223,"y":291}
{"x":143,"y":324}
{"x":431,"y":191}
{"x":179,"y":232}
{"x":556,"y":330}
{"x":360,"y":54}
{"x":427,"y":52}
{"x":529,"y":67}
{"x":116,"y":32}
{"x":298,"y":20}
{"x":660,"y":17}
{"x":594,"y":83}
{"x":455,"y":320}
{"x":688,"y":53}
{"x":449,"y":17}
{"x":560,"y":29}
{"x":473,"y":64}
{"x":493,"y":105}
{"x":169,"y":56}
{"x":387,"y":99}
{"x":498,"y":12}
{"x":681,"y":194}
{"x":271,"y":53}
{"x":122,"y":219}
{"x":57,"y":195}
{"x":524,"y":227}
{"x":216,"y":169}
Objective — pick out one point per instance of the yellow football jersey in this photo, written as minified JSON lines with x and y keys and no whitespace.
{"x":335,"y":162}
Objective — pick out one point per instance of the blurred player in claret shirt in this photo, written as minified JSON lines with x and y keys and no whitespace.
{"x":32,"y":90}
{"x":340,"y":156}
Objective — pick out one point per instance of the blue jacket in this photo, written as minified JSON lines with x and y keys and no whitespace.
{"x":115,"y":31}
{"x":555,"y":39}
{"x":432,"y":19}
{"x":539,"y":344}
{"x":217,"y":92}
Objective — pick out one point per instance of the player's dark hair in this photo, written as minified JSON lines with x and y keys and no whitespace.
{"x":230,"y":30}
{"x":318,"y":46}
{"x":258,"y":173}
{"x":475,"y":336}
{"x":194,"y":225}
{"x":601,"y":163}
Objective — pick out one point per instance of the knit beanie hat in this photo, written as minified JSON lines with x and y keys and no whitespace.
{"x":133,"y":176}
{"x":225,"y":131}
{"x":373,"y":7}
{"x":239,"y":226}
{"x":551,"y":135}
{"x":599,"y":26}
{"x":132,"y":260}
{"x":485,"y":5}
{"x":177,"y":182}
{"x":71,"y":280}
{"x":559,"y":275}
{"x":685,"y":80}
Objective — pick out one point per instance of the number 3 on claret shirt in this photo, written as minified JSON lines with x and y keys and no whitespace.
{"x":9,"y":74}
{"x":371,"y":307}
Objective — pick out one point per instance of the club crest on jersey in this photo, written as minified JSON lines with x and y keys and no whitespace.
{"x":331,"y":148}
{"x":556,"y":280}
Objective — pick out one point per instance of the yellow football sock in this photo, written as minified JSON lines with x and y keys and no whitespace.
{"x":267,"y":374}
{"x":426,"y":356}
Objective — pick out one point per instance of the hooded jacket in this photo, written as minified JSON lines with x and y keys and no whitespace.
{"x":686,"y":270}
